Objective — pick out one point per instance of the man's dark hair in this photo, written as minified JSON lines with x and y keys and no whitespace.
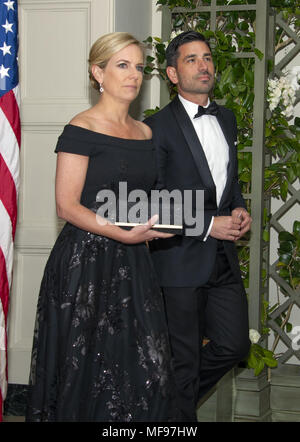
{"x":172,"y":52}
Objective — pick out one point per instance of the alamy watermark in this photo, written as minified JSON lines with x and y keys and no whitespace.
{"x":174,"y":208}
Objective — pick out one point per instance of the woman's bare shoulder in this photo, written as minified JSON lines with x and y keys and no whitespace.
{"x":83,"y":119}
{"x":145,"y":129}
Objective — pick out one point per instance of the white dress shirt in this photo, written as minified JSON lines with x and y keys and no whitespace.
{"x":214,"y":145}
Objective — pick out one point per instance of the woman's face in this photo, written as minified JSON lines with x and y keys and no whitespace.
{"x":122,"y":77}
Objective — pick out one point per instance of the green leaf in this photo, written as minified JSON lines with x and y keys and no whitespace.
{"x":248,"y":103}
{"x":285,"y":258}
{"x":286,"y":236}
{"x":284,"y":273}
{"x":245,"y":177}
{"x":259,"y":367}
{"x":208,"y":34}
{"x":226,"y":76}
{"x":222,"y":64}
{"x":266,"y":235}
{"x":296,"y":282}
{"x":161,"y":58}
{"x":258,"y":350}
{"x":252,"y":360}
{"x":288,"y":327}
{"x":258,"y":53}
{"x":249,"y":76}
{"x":178,"y":22}
{"x":161,"y":48}
{"x":243,"y":26}
{"x":291,"y":176}
{"x":268,"y":353}
{"x":286,"y":246}
{"x":284,"y":190}
{"x":241,"y":87}
{"x":149,"y":112}
{"x":234,"y":90}
{"x":296,"y":227}
{"x":148,"y":70}
{"x":270,"y":362}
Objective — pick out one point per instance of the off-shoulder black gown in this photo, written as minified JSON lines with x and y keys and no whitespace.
{"x":100,"y":350}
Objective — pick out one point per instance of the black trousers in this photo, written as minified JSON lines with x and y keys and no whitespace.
{"x":217,"y":311}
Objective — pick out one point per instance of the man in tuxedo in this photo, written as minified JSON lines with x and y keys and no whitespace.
{"x":200,"y":276}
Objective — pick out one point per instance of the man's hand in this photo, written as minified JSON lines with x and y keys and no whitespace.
{"x":232,"y":227}
{"x":245,"y":218}
{"x":226,"y":227}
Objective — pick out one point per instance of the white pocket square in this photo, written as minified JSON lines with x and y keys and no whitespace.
{"x":235,"y":143}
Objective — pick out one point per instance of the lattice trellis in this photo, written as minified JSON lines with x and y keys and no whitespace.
{"x":293,"y":296}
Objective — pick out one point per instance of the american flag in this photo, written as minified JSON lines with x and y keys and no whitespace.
{"x":10,"y":137}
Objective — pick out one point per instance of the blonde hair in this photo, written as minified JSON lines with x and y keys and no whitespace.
{"x":105,"y":47}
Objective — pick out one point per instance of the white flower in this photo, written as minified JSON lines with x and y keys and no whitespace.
{"x":289,"y":111}
{"x":276,"y":93}
{"x":272,"y":84}
{"x":282,"y":92}
{"x":254,"y":336}
{"x":288,"y":92}
{"x":175,"y":33}
{"x":295,"y":77}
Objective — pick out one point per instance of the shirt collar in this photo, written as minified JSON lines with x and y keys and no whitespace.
{"x":190,"y":107}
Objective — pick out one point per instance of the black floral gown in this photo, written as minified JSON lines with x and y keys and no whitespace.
{"x":100,"y":350}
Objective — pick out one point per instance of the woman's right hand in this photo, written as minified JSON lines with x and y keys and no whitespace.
{"x":144,"y":233}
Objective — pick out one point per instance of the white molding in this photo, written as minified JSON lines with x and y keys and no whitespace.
{"x":156,"y":32}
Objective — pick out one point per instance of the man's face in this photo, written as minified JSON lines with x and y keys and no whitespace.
{"x":194,"y":73}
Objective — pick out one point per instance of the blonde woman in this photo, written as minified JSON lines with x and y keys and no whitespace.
{"x":100,"y":350}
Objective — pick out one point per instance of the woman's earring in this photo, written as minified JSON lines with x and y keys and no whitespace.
{"x":101,"y":88}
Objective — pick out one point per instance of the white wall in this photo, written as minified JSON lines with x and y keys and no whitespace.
{"x":135,"y":17}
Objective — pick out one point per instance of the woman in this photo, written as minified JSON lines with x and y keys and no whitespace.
{"x":100,"y":350}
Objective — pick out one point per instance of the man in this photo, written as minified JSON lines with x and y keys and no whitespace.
{"x":200,"y":276}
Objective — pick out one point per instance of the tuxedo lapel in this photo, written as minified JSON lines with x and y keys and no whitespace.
{"x":227,"y":131}
{"x":194,"y":144}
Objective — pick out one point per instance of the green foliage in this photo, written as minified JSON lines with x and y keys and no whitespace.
{"x":260,"y":357}
{"x":282,"y":142}
{"x":289,"y":253}
{"x":149,"y":112}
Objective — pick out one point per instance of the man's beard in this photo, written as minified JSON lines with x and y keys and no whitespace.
{"x":193,"y":86}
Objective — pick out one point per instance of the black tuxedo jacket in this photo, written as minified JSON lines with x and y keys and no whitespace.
{"x":188,"y":261}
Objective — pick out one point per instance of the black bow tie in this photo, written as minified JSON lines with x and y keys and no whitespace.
{"x":212,"y":109}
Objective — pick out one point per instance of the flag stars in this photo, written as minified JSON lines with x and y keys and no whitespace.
{"x":8,"y":27}
{"x":5,"y":49}
{"x":9,"y":4}
{"x":4,"y":72}
{"x":8,"y":47}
